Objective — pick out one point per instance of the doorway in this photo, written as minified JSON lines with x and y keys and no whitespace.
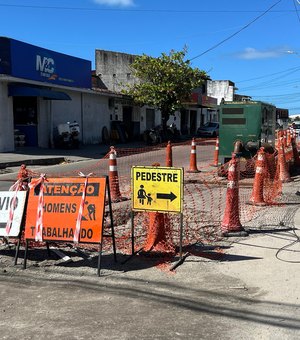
{"x":184,"y":122}
{"x":131,"y":127}
{"x":193,"y":122}
{"x":150,"y":119}
{"x":26,"y":119}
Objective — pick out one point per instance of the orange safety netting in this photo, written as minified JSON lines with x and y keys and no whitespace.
{"x":205,"y":193}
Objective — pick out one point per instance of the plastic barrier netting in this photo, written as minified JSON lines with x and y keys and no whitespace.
{"x":205,"y":195}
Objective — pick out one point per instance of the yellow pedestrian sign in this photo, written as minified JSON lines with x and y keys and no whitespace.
{"x":157,"y":188}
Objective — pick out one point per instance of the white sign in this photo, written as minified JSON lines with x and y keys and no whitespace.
{"x":6,"y":201}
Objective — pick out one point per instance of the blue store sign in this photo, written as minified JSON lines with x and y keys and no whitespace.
{"x":31,"y":62}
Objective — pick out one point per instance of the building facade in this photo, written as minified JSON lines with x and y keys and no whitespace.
{"x":114,"y":72}
{"x":40,"y":89}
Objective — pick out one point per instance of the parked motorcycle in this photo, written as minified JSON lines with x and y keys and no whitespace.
{"x":68,"y":135}
{"x":75,"y":132}
{"x":153,"y":136}
{"x":156,"y":135}
{"x":173,"y":133}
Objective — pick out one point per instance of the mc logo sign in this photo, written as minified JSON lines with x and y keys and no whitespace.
{"x":45,"y":64}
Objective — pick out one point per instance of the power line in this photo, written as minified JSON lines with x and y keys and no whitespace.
{"x":266,"y":84}
{"x":236,"y":33}
{"x":267,"y":75}
{"x":259,"y":87}
{"x":280,"y":95}
{"x":296,"y":9}
{"x":140,"y":10}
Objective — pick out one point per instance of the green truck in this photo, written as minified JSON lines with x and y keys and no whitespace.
{"x":245,"y":126}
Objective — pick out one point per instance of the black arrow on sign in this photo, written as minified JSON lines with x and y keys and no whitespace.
{"x":169,"y":196}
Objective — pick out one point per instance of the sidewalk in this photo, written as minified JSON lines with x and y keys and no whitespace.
{"x":42,"y":156}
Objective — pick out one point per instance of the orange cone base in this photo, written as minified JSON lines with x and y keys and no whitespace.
{"x":119,"y":199}
{"x":159,"y":249}
{"x":258,"y":204}
{"x":215,"y":165}
{"x":156,"y":239}
{"x":193,"y":171}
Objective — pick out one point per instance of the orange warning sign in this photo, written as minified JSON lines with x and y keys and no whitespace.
{"x":62,"y":198}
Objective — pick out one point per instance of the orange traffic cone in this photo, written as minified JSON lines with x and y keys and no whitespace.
{"x":295,"y":152}
{"x":292,"y":133}
{"x":216,"y":154}
{"x":289,"y":137}
{"x":231,"y":225}
{"x":284,"y":174}
{"x":169,"y":160}
{"x":257,"y":197}
{"x":271,"y":165}
{"x":193,"y":157}
{"x":157,"y":233}
{"x":285,"y":138}
{"x":113,"y":177}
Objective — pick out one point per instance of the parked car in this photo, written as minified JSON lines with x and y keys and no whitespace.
{"x":209,"y":129}
{"x":296,"y":126}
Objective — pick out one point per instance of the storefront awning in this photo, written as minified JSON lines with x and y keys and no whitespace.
{"x":204,"y":101}
{"x":31,"y":91}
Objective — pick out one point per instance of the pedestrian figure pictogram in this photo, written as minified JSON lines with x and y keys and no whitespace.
{"x":149,"y":199}
{"x":142,"y":195}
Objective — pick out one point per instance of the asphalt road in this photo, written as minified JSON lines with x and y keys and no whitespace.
{"x":9,"y":175}
{"x":245,"y":294}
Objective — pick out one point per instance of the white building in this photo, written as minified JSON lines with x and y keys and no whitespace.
{"x":40,"y":89}
{"x":221,"y":90}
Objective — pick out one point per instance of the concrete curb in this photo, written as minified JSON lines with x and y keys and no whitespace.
{"x":32,"y":161}
{"x":297,"y":219}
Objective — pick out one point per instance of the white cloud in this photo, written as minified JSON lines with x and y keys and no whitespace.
{"x":124,"y":3}
{"x":252,"y":53}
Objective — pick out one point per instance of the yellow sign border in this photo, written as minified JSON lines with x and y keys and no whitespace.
{"x":159,"y":169}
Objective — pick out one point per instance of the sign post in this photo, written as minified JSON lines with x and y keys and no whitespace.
{"x":157,"y":189}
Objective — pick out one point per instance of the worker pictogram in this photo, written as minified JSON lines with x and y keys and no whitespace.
{"x":157,"y":188}
{"x":91,"y":212}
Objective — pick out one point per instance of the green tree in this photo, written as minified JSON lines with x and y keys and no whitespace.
{"x":165,"y":82}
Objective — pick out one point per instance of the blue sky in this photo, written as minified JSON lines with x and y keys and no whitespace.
{"x":245,"y":41}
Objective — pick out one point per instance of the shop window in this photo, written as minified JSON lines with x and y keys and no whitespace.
{"x":25,"y":110}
